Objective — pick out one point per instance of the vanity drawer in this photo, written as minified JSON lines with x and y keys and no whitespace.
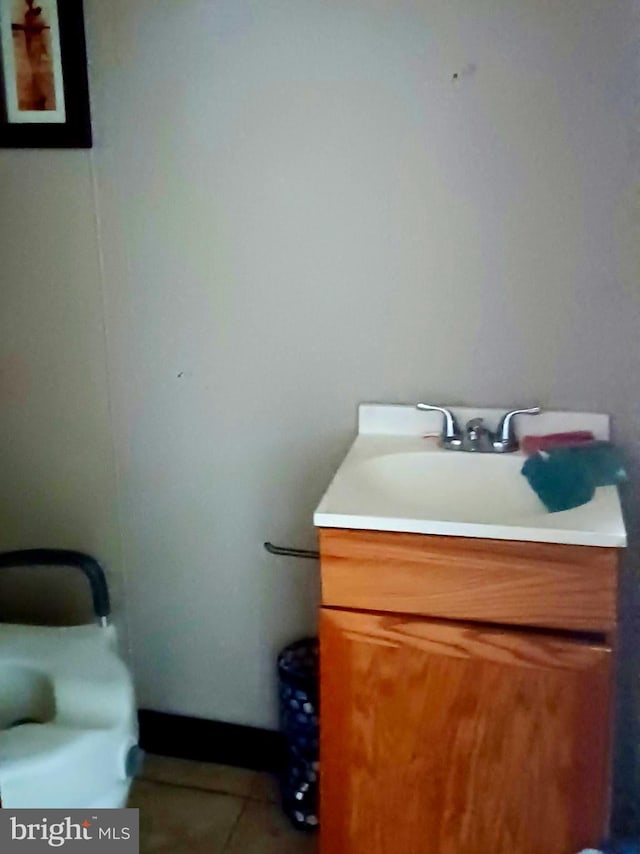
{"x":546,"y":585}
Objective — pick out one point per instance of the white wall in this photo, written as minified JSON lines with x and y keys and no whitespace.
{"x":57,"y":476}
{"x":298,"y":209}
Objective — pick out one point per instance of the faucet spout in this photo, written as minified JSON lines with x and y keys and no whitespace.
{"x":478,"y":438}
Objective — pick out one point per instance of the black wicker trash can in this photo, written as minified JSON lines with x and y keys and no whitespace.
{"x":298,"y":692}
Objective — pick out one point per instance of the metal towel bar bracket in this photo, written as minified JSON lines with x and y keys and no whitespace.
{"x":286,"y":552}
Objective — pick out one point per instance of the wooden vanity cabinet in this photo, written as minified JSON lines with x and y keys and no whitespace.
{"x":465,"y":694}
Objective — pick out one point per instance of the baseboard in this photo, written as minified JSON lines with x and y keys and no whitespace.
{"x":210,"y":741}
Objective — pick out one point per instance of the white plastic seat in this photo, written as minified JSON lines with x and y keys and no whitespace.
{"x":68,"y":727}
{"x":63,"y":761}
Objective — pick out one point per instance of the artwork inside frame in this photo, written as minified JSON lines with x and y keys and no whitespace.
{"x":44,"y":97}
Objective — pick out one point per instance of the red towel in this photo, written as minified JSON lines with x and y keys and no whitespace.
{"x":532,"y":444}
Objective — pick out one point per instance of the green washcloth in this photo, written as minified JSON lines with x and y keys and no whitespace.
{"x":564,"y":478}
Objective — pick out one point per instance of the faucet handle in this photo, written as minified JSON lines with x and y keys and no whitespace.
{"x":505,"y":439}
{"x":451,"y":436}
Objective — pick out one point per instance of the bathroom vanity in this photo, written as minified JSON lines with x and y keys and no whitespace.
{"x":466,"y":641}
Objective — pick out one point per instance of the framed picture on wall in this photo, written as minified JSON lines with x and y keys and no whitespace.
{"x":44,"y":92}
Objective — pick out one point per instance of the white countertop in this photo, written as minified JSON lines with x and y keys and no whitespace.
{"x":395,"y":479}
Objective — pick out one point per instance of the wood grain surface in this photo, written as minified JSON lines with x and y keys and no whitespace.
{"x":439,"y":738}
{"x":497,"y":581}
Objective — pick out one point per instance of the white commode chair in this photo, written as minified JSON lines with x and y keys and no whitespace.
{"x":68,"y":729}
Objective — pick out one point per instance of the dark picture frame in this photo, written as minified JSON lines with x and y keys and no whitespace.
{"x":66,"y":114}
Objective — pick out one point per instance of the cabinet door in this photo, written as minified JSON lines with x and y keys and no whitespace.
{"x":446,"y":738}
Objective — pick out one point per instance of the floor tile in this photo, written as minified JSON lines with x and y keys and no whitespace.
{"x":179,"y":820}
{"x":264,"y":787}
{"x":263,"y":829}
{"x":200,"y":775}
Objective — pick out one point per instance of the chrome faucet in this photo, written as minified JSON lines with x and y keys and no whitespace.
{"x":478,"y":438}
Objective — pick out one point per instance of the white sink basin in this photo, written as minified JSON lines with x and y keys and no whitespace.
{"x":477,"y":488}
{"x":403,"y":481}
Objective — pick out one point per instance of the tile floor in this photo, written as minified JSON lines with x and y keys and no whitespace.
{"x":201,"y":808}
